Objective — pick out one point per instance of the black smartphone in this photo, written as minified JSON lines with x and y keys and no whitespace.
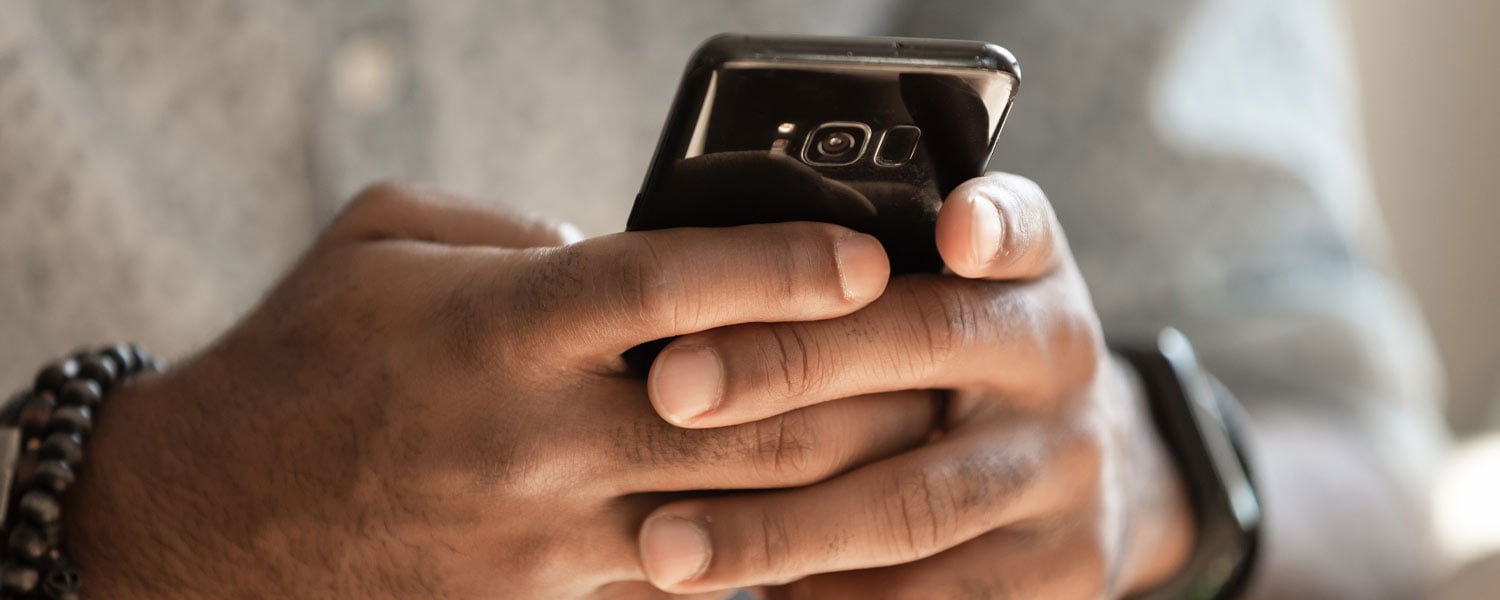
{"x":865,"y":132}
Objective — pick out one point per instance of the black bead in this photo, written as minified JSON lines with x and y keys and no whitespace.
{"x":63,"y":582}
{"x":36,"y":414}
{"x":80,"y":392}
{"x":64,"y":446}
{"x":40,"y":508}
{"x":52,"y":377}
{"x":123,"y":357}
{"x":52,"y":476}
{"x":114,"y":367}
{"x":53,"y":535}
{"x":27,"y":543}
{"x":98,"y":369}
{"x":142,"y":358}
{"x":18,"y":578}
{"x":71,"y":419}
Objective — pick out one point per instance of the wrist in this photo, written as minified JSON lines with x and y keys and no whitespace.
{"x":52,"y":430}
{"x":1161,"y":527}
{"x":110,"y":539}
{"x":142,"y":505}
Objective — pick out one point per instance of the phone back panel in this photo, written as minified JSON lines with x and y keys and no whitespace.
{"x":868,"y":133}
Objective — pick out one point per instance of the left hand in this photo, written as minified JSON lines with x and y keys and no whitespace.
{"x":1046,"y":481}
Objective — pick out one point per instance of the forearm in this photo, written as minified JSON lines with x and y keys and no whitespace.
{"x":1337,"y":525}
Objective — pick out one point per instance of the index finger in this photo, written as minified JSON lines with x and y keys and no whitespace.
{"x":607,"y":294}
{"x":399,"y":211}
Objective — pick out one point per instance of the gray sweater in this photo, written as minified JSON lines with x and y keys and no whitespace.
{"x":163,"y":161}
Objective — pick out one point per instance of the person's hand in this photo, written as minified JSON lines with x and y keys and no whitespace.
{"x":1047,"y":480}
{"x":427,"y":408}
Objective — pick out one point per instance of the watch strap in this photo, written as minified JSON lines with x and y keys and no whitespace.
{"x":1203,"y":428}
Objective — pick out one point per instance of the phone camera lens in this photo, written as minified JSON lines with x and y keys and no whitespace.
{"x":836,"y":144}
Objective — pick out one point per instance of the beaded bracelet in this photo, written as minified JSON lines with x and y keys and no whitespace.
{"x":42,"y":435}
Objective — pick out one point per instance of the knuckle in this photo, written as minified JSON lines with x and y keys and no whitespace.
{"x":640,"y":282}
{"x":773,"y":556}
{"x":786,"y":448}
{"x":546,"y":283}
{"x":947,"y":320}
{"x":794,"y":370}
{"x":372,"y":213}
{"x":922,"y":507}
{"x":624,"y":287}
{"x":380,"y":196}
{"x":1077,"y":340}
{"x":1081,"y":454}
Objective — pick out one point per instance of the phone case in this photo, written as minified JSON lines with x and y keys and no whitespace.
{"x":868,"y":133}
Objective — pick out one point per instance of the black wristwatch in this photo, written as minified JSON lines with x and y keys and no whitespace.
{"x":1203,"y":427}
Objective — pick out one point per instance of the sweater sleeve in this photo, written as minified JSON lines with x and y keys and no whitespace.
{"x":1205,"y":158}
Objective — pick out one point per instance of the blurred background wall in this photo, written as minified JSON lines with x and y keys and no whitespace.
{"x":1432,"y":112}
{"x":1432,"y":108}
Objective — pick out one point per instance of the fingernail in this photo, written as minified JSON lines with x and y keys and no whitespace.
{"x":674,"y":550}
{"x":984,"y":230}
{"x":686,"y":382}
{"x":863,"y":268}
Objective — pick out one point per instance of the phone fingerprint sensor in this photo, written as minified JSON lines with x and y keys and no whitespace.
{"x":897,"y":145}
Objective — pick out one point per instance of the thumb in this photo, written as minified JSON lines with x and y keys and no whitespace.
{"x":999,"y":227}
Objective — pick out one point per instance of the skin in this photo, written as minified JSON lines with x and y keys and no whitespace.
{"x":432,"y":405}
{"x":1045,"y":481}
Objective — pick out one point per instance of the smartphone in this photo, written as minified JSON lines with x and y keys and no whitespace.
{"x":865,"y":132}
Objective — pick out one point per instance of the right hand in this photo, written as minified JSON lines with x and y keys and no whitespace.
{"x":432,"y":405}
